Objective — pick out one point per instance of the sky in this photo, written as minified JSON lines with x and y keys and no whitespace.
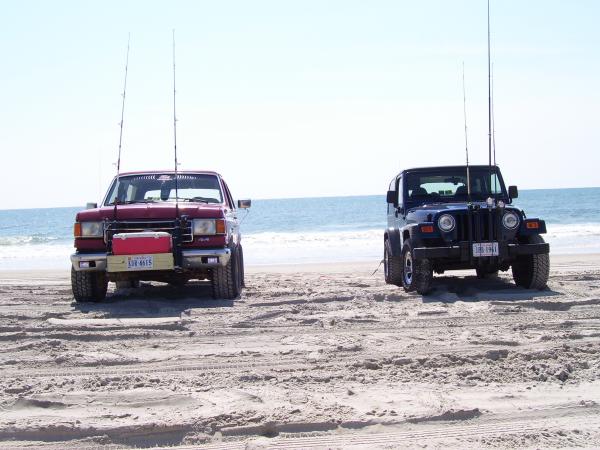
{"x":302,"y":98}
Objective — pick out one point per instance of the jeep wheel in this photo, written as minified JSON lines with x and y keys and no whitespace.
{"x":532,"y":271}
{"x":226,"y":281}
{"x":392,"y":265}
{"x":486,"y":273}
{"x":88,"y":286}
{"x":417,"y":275}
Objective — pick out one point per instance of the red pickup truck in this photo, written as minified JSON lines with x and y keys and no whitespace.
{"x":160,"y":226}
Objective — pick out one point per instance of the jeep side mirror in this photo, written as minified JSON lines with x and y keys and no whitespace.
{"x":513,"y":192}
{"x":91,"y":205}
{"x":392,"y":197}
{"x":244,"y":204}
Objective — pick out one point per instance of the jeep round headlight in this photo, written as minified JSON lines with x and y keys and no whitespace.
{"x":510,"y":220}
{"x":92,"y":229}
{"x":203,"y":227}
{"x":446,"y":222}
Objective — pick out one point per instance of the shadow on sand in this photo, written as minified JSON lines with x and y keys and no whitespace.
{"x":449,"y":289}
{"x":155,"y":300}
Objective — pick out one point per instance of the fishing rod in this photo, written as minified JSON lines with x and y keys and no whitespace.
{"x":175,"y":134}
{"x":466,"y":139}
{"x":121,"y":127}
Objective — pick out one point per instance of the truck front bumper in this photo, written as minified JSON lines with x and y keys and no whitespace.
{"x":191,"y":259}
{"x":462,"y":252}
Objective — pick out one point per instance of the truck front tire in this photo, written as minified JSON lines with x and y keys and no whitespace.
{"x":532,"y":271}
{"x":226,"y":280}
{"x":417,"y":275}
{"x":89,"y":286}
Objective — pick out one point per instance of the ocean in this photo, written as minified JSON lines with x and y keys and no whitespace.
{"x":304,"y":230}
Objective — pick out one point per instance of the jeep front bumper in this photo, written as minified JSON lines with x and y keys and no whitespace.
{"x":462,"y":251}
{"x":191,"y":259}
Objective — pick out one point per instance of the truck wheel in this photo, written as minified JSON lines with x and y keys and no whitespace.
{"x":417,"y":275}
{"x":532,"y":271}
{"x":392,"y":265}
{"x":486,"y":273}
{"x":242,"y":270}
{"x":226,"y":281}
{"x":88,"y":286}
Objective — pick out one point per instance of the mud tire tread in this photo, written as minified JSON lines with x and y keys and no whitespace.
{"x":88,"y":286}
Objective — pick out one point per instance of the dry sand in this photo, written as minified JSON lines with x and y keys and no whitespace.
{"x":321,"y":356}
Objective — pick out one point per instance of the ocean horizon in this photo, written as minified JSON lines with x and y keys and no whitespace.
{"x":304,"y":230}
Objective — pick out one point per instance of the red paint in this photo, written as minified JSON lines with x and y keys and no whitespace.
{"x":141,"y":243}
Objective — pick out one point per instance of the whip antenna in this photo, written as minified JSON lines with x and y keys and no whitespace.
{"x":489,"y":98}
{"x":493,"y":119}
{"x":175,"y":133}
{"x":121,"y":124}
{"x":466,"y":139}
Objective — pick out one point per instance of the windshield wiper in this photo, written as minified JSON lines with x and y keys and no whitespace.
{"x":196,"y":199}
{"x":130,"y":202}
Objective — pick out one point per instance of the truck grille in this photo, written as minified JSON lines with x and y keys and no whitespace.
{"x":482,"y":225}
{"x":147,"y":225}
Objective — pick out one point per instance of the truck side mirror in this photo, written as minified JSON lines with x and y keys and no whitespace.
{"x":392,"y":197}
{"x":91,"y":205}
{"x":244,"y":204}
{"x":513,"y":192}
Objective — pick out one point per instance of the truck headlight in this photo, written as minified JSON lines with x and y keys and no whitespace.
{"x":510,"y":220}
{"x":91,"y":229}
{"x":204,"y":227}
{"x":446,"y":223}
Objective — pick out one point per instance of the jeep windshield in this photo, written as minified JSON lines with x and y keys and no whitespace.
{"x":447,"y":185}
{"x":160,"y":188}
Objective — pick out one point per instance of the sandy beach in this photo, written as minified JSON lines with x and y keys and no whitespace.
{"x":312,"y":356}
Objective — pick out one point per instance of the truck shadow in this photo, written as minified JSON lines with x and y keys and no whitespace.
{"x":451,"y":289}
{"x":155,"y":300}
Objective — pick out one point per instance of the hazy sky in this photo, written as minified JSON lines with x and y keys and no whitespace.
{"x":293,"y":98}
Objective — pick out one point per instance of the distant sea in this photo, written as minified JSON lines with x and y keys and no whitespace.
{"x":304,"y":230}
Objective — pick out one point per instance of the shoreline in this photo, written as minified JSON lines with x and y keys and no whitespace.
{"x":576,"y":261}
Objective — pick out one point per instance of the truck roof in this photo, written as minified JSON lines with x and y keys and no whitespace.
{"x":170,"y":171}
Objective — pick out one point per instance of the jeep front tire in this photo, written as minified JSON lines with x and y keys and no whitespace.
{"x":417,"y":275}
{"x":88,"y":286}
{"x":532,"y":271}
{"x":392,"y":265}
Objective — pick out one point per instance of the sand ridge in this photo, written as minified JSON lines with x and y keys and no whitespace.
{"x":321,"y":356}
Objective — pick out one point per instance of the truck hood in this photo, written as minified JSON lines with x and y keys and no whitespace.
{"x":145,"y":211}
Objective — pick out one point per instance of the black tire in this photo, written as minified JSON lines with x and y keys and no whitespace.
{"x":532,"y":271}
{"x":226,"y":281}
{"x":242,"y":269}
{"x":416,"y":275}
{"x":486,"y":273}
{"x":88,"y":286}
{"x":392,"y":265}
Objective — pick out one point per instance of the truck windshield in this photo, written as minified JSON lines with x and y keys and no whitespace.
{"x":450,"y":185}
{"x":157,"y":187}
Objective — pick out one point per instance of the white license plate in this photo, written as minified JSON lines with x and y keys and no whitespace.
{"x":481,"y":249}
{"x":140,"y":262}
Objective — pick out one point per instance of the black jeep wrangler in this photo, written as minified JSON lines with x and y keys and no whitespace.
{"x":456,"y":218}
